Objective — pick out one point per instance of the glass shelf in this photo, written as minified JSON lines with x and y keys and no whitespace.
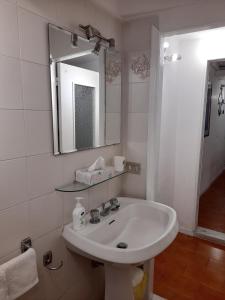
{"x":78,"y":187}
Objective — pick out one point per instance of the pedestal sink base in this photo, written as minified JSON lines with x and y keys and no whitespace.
{"x":118,"y":281}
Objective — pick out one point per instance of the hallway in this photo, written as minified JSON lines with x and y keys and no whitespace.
{"x":212,"y":206}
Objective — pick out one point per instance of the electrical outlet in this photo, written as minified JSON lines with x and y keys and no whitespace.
{"x":133,"y":167}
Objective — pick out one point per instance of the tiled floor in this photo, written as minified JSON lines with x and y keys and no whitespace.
{"x":212,"y":206}
{"x":191,"y":268}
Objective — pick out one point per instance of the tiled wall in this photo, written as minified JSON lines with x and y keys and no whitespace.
{"x":136,"y":92}
{"x":29,"y":172}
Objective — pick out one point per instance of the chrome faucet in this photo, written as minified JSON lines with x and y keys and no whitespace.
{"x":115,"y":205}
{"x":105,"y":209}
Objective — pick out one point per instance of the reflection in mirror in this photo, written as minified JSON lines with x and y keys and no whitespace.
{"x":86,"y":92}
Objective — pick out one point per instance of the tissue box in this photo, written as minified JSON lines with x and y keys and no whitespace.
{"x":94,"y":177}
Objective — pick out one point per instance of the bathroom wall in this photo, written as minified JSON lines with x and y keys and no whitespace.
{"x":200,"y":14}
{"x":182,"y":125}
{"x":213,"y":157}
{"x":29,"y":172}
{"x":136,"y":43}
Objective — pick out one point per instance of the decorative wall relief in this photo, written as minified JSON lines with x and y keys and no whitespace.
{"x":113,"y":66}
{"x":141,"y":66}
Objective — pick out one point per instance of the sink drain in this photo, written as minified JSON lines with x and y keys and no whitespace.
{"x":122,"y":245}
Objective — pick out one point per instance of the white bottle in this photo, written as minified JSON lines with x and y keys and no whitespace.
{"x":78,"y":215}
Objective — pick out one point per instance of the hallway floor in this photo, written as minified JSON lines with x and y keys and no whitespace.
{"x":212,"y":206}
{"x":191,"y":268}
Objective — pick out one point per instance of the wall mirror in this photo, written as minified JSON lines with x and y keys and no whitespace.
{"x":86,"y":92}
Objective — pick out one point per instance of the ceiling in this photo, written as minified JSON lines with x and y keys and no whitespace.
{"x":125,"y":9}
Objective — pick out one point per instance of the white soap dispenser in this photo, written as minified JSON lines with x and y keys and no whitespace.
{"x":78,"y":215}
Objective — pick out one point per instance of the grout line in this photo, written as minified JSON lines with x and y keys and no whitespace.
{"x":28,"y":200}
{"x":46,"y":19}
{"x":33,"y":62}
{"x":2,"y":211}
{"x":23,"y":109}
{"x":27,"y":156}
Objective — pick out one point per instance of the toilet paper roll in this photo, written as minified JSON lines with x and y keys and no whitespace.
{"x":119,"y":163}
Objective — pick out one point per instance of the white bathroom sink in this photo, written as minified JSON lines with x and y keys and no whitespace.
{"x":146,"y":227}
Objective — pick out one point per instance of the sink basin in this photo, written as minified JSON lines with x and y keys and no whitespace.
{"x":145,"y":228}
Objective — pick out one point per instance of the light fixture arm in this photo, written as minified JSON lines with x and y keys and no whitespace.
{"x":92,"y":32}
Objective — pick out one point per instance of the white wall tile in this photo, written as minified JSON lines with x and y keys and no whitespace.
{"x":12,"y":134}
{"x":13,"y":228}
{"x":10,"y":83}
{"x":44,"y":174}
{"x":114,"y":187}
{"x":38,"y":132}
{"x":137,"y":152}
{"x":113,"y":98}
{"x":113,"y":126}
{"x":98,"y":195}
{"x":33,"y":37}
{"x":13,"y":183}
{"x":9,"y":36}
{"x":36,"y":86}
{"x":135,"y":185}
{"x":44,"y":8}
{"x":138,"y":97}
{"x":137,"y":127}
{"x":45,"y":214}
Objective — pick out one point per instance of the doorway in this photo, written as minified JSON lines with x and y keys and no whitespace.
{"x":185,"y":81}
{"x":211,"y":216}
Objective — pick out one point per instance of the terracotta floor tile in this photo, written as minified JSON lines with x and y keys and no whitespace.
{"x":186,"y":271}
{"x":184,"y":286}
{"x":210,"y":252}
{"x":206,"y":293}
{"x":215,"y":265}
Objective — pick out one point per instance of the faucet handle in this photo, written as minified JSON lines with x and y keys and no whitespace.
{"x":114,"y":204}
{"x":95,"y":216}
{"x":106,"y":207}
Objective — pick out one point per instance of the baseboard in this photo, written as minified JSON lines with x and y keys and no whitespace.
{"x":186,"y":231}
{"x":212,"y":235}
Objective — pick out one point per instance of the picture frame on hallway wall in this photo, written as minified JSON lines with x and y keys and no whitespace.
{"x":208,"y":109}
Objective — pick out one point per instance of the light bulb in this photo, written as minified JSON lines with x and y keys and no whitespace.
{"x":175,"y":57}
{"x":166,"y":45}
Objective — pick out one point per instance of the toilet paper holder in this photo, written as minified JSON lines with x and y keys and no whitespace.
{"x":47,"y":260}
{"x":47,"y":257}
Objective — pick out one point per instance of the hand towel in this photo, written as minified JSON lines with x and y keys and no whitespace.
{"x":3,"y":286}
{"x":21,"y":273}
